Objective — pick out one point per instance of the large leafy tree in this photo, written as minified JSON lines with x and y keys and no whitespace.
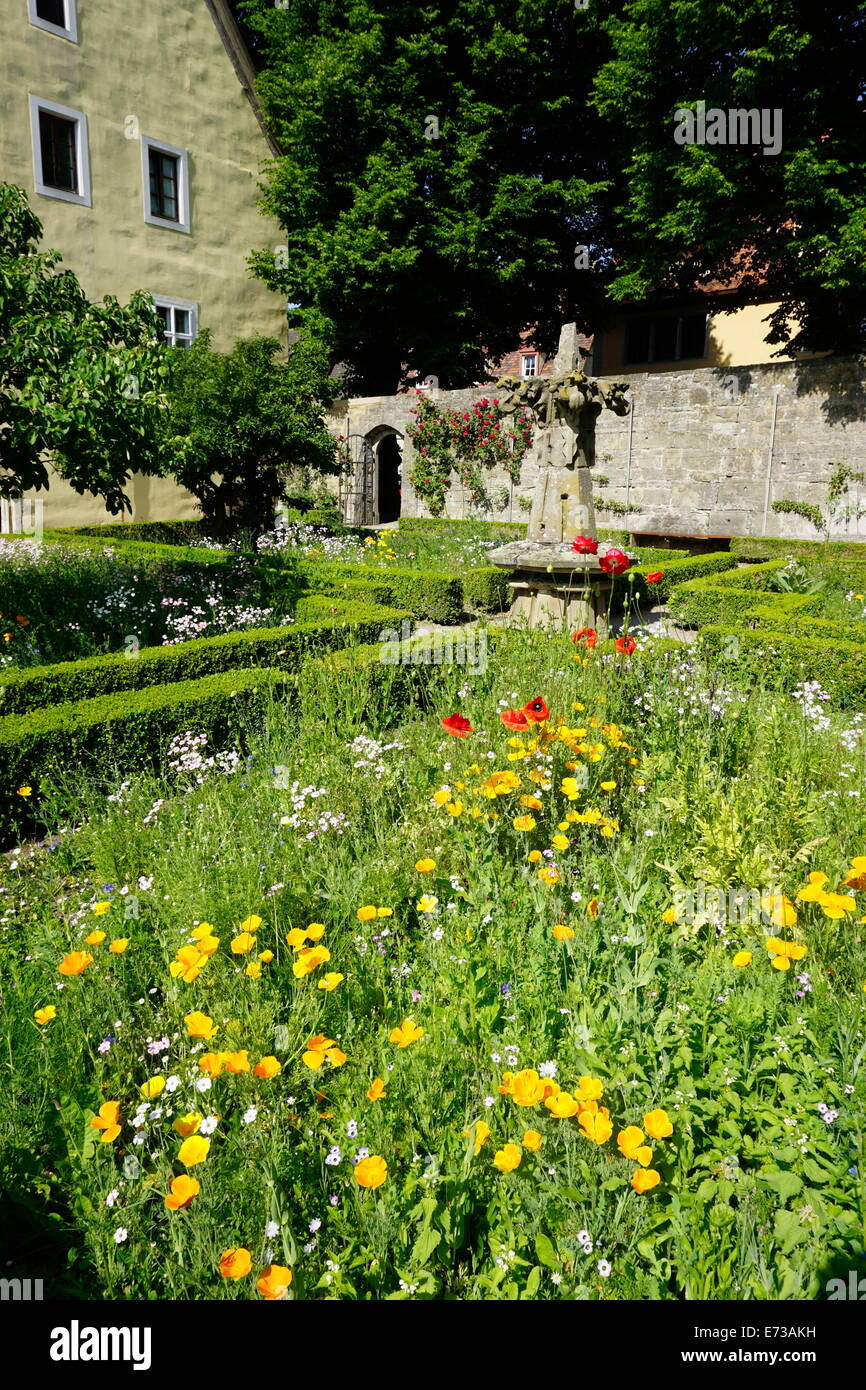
{"x":242,"y":420}
{"x":431,"y":250}
{"x":81,"y":383}
{"x":556,"y":128}
{"x":789,"y":226}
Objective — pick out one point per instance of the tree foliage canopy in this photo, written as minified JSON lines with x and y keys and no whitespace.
{"x":556,"y":129}
{"x":791,"y":227}
{"x":85,"y":382}
{"x":242,"y":420}
{"x":423,"y":249}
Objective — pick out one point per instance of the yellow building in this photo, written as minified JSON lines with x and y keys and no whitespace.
{"x":670,"y":337}
{"x":135,"y":131}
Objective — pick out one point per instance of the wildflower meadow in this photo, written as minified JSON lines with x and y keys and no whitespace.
{"x":542,"y":981}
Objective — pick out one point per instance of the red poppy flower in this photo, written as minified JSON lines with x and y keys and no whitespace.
{"x":514,"y":719}
{"x":536,"y":711}
{"x":626,"y":645}
{"x":584,"y":545}
{"x":615,"y":561}
{"x":457,"y":725}
{"x":654,"y":577}
{"x":586,"y":635}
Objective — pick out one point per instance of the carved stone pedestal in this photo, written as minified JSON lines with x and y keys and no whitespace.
{"x":554,"y":588}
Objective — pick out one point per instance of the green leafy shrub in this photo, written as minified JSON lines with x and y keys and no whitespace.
{"x":278,"y":648}
{"x":425,"y":594}
{"x":83,"y":382}
{"x":324,"y":516}
{"x":244,"y":418}
{"x":839,"y":666}
{"x":122,"y":731}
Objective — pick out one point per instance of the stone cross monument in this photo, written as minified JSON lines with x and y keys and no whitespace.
{"x":552,"y":583}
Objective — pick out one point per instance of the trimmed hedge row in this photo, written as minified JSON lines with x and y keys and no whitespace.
{"x":729,"y":598}
{"x":156,"y":532}
{"x":839,"y":666}
{"x":130,"y":730}
{"x":33,"y":687}
{"x":429,"y":594}
{"x":140,"y":552}
{"x":123,"y":731}
{"x":674,"y":573}
{"x":766,"y":619}
{"x":774,"y":547}
{"x":433,"y":525}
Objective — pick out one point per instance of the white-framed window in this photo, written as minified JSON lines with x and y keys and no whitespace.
{"x":165,"y":173}
{"x":179,"y":319}
{"x":55,"y":17}
{"x":529,"y":364}
{"x":61,"y":163}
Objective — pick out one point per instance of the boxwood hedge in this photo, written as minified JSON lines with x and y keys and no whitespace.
{"x":838,"y":665}
{"x":128,"y":729}
{"x":32,"y":687}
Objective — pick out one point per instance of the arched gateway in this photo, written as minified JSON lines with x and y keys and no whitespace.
{"x":372,"y":493}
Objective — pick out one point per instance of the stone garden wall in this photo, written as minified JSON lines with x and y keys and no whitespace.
{"x":703,"y":452}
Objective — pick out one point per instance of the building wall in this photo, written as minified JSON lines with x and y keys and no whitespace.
{"x":163,"y":63}
{"x":735,"y":339}
{"x":703,"y":452}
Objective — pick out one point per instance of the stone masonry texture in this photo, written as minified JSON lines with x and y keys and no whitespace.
{"x":700,"y":453}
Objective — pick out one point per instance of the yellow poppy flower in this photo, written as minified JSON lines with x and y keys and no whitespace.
{"x":183,"y":1190}
{"x":235,"y":1263}
{"x":75,"y":963}
{"x":406,"y":1034}
{"x":331,"y":980}
{"x":273,"y":1282}
{"x":480,"y":1133}
{"x":193,"y":1150}
{"x":657,"y":1124}
{"x":185,"y":1125}
{"x":199,"y":1025}
{"x":371,"y":1172}
{"x":108,"y":1120}
{"x":645,"y":1179}
{"x":508,"y":1158}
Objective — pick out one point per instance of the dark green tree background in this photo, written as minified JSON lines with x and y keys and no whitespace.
{"x":791,"y":226}
{"x":421,"y":253}
{"x":556,"y":129}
